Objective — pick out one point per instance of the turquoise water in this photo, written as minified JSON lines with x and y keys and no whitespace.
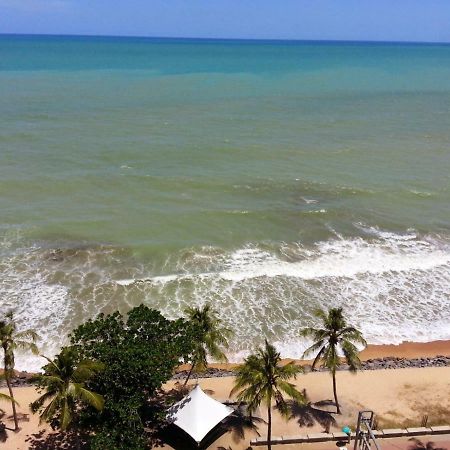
{"x":268,"y":178}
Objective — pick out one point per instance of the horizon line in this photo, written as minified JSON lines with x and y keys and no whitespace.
{"x":126,"y":36}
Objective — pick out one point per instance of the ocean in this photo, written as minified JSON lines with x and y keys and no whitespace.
{"x":268,"y":178}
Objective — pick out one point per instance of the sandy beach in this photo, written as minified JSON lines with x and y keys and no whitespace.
{"x":409,"y":350}
{"x":398,"y":397}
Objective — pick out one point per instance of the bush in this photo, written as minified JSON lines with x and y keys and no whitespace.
{"x":139,"y":355}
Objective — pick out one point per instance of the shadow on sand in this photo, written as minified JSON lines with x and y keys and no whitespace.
{"x":57,"y":441}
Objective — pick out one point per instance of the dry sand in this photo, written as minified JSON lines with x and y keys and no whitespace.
{"x":398,"y":397}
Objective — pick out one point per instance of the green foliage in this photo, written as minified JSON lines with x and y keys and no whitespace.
{"x":64,"y":381}
{"x":10,"y":341}
{"x":262,"y":379}
{"x":211,"y":338}
{"x":333,"y":338}
{"x":139,"y":354}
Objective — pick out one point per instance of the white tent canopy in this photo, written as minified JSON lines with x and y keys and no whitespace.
{"x":197,"y":414}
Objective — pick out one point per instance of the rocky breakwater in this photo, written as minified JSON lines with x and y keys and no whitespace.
{"x":370,"y":364}
{"x":19,"y":379}
{"x":210,"y":372}
{"x":26,"y":378}
{"x":402,"y":363}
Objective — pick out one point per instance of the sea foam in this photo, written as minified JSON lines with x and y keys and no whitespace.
{"x":391,"y":285}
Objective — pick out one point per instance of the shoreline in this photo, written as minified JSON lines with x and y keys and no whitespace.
{"x":406,"y":351}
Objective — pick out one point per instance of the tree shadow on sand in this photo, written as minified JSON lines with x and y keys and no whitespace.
{"x":419,"y":445}
{"x":3,"y":433}
{"x":240,"y":422}
{"x":57,"y":441}
{"x":4,"y":428}
{"x":309,"y":413}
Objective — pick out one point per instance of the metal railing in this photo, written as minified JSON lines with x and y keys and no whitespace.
{"x":365,"y":439}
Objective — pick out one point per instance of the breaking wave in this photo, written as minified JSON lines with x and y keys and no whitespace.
{"x":393,"y":286}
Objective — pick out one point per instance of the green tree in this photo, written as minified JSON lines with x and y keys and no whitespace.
{"x":262,"y":379}
{"x":64,"y":381}
{"x":334,"y":338}
{"x":211,"y":337}
{"x":12,"y":340}
{"x":139,"y":353}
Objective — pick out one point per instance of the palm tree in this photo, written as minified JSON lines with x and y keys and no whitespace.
{"x":64,"y":381}
{"x":11,"y":340}
{"x":262,"y":379}
{"x":212,"y":336}
{"x":335,"y":337}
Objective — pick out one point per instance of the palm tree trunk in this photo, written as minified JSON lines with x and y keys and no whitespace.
{"x":338,"y":409}
{"x":269,"y":428}
{"x":13,"y":404}
{"x":189,"y":374}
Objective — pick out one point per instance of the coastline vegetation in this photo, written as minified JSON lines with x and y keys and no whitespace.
{"x":262,"y":379}
{"x":107,"y":384}
{"x":211,"y":340}
{"x":333,"y":339}
{"x":64,"y":385}
{"x":11,"y":340}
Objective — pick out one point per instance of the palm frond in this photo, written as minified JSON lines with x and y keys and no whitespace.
{"x":27,"y":334}
{"x":351,"y":355}
{"x":50,"y":410}
{"x":262,"y":378}
{"x":291,"y":391}
{"x":7,"y":398}
{"x":353,"y":335}
{"x":66,"y":414}
{"x":39,"y":402}
{"x":64,"y":380}
{"x":321,"y":314}
{"x":91,"y":398}
{"x":213,"y":335}
{"x":86,"y":370}
{"x":318,"y":356}
{"x":48,"y":380}
{"x":330,"y":358}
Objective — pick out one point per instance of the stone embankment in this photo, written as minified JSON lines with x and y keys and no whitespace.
{"x":20,"y":379}
{"x":370,"y":364}
{"x":211,"y":372}
{"x":402,"y":363}
{"x":25,"y":378}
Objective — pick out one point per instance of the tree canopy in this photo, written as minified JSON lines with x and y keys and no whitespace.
{"x":64,"y":382}
{"x":10,"y":341}
{"x":262,"y":379}
{"x":212,"y":337}
{"x":335,"y":337}
{"x":139,"y":353}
